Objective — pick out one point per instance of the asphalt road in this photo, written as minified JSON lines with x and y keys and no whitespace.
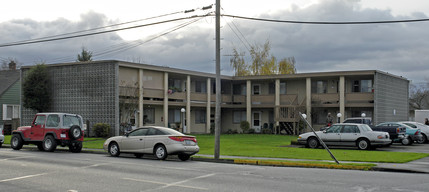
{"x":32,"y":170}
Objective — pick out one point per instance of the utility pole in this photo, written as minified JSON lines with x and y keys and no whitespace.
{"x":218,"y":94}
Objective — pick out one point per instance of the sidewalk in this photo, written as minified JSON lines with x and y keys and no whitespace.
{"x":417,"y":166}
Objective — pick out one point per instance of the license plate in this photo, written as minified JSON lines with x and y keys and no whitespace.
{"x":63,"y":135}
{"x":189,"y":142}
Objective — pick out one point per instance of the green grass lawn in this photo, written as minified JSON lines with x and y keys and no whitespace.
{"x":276,"y":146}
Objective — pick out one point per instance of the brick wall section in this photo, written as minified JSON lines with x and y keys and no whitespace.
{"x":90,"y":90}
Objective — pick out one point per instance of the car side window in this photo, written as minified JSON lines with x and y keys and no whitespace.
{"x":40,"y":120}
{"x":350,"y":129}
{"x":53,"y":121}
{"x":334,"y":129}
{"x":138,"y":132}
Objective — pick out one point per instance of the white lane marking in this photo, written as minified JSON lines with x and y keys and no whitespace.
{"x":177,"y":184}
{"x":24,"y":157}
{"x":23,"y":177}
{"x":95,"y":165}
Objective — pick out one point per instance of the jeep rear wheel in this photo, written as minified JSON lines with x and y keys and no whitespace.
{"x":49,"y":143}
{"x":16,"y":142}
{"x":75,"y":147}
{"x":75,"y":132}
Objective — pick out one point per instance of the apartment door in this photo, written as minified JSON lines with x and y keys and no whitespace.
{"x":256,"y":121}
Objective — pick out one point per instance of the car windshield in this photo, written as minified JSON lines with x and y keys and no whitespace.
{"x":365,"y":128}
{"x":70,"y":120}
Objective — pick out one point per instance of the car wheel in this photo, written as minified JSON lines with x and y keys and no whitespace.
{"x":160,"y":152}
{"x":75,"y":132}
{"x":16,"y":142}
{"x":49,"y":143}
{"x":406,"y":141}
{"x":138,"y":155}
{"x":114,"y":149}
{"x":184,"y":157}
{"x":424,"y":139}
{"x":363,"y":144}
{"x":40,"y":146}
{"x":313,"y":143}
{"x":75,"y":147}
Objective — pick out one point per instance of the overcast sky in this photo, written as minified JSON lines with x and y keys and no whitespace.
{"x":401,"y":49}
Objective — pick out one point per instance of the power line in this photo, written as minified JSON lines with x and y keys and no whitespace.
{"x":100,"y":32}
{"x":327,"y":22}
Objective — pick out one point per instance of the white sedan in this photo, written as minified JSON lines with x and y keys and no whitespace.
{"x":347,"y":134}
{"x":159,"y":141}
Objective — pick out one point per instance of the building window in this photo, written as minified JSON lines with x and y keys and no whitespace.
{"x":11,"y":112}
{"x":256,"y":89}
{"x":200,"y":116}
{"x":364,"y":86}
{"x":239,"y":89}
{"x":200,"y":87}
{"x":239,"y":116}
{"x":283,"y":88}
{"x":319,"y":86}
{"x":174,"y":116}
{"x":272,"y":88}
{"x":148,"y":116}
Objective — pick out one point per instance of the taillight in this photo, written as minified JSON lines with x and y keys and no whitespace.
{"x":398,"y":130}
{"x":181,"y":138}
{"x":417,"y":132}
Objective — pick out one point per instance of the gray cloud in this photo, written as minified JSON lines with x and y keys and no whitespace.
{"x":401,"y":49}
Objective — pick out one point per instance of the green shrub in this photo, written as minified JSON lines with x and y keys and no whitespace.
{"x":101,"y":129}
{"x":245,"y":125}
{"x":266,"y":131}
{"x":251,"y":131}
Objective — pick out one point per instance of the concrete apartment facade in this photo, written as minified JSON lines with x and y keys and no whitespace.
{"x":125,"y":94}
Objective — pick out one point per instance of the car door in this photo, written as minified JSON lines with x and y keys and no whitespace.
{"x":332,"y":135}
{"x":37,"y":128}
{"x":134,"y":141}
{"x":349,"y":134}
{"x":153,"y":137}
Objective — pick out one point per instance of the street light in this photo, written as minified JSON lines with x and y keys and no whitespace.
{"x":183,"y":120}
{"x":363,"y":115}
{"x":339,"y":116}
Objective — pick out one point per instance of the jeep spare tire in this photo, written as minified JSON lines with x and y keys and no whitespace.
{"x":75,"y":132}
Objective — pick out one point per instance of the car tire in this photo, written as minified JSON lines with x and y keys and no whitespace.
{"x":184,"y":157}
{"x":40,"y":146}
{"x":138,"y":155}
{"x":114,"y":149}
{"x":363,"y":144}
{"x":49,"y":143}
{"x":1,"y":144}
{"x":75,"y":132}
{"x":75,"y":147}
{"x":312,"y":142}
{"x":423,"y":140}
{"x":160,"y":152}
{"x":16,"y":142}
{"x":406,"y":141}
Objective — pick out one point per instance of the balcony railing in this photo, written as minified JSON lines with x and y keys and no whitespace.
{"x":325,"y":99}
{"x":263,"y":99}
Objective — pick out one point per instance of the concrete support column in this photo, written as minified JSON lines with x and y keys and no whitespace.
{"x":308,"y":99}
{"x":342,"y":88}
{"x":165,"y":99}
{"x":208,"y":107}
{"x":277,"y":102}
{"x":249,"y":102}
{"x":188,"y":104}
{"x":140,"y":122}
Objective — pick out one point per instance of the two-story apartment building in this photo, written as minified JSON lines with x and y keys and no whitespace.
{"x":123,"y":93}
{"x":10,"y":86}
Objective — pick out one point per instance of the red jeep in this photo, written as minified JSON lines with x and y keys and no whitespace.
{"x":49,"y":130}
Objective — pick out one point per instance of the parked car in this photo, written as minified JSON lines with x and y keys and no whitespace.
{"x":49,"y":130}
{"x":1,"y":136}
{"x":160,"y":141}
{"x":396,"y":133}
{"x":413,"y":133}
{"x":347,"y":134}
{"x":423,"y":128}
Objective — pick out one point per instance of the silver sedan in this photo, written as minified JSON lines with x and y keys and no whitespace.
{"x":159,"y":141}
{"x":347,"y":134}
